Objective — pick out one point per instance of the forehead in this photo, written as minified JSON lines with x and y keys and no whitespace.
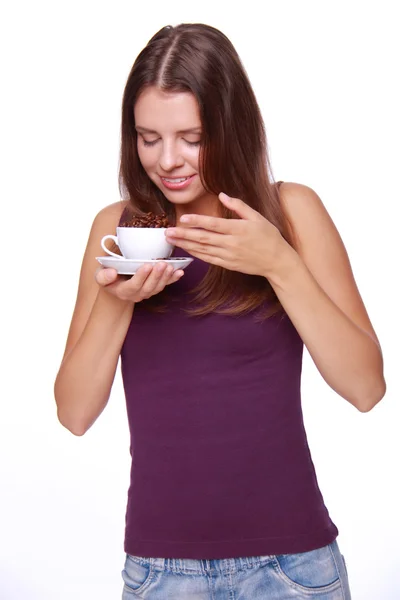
{"x":166,"y":111}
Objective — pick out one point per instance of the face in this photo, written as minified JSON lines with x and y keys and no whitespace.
{"x":168,"y":126}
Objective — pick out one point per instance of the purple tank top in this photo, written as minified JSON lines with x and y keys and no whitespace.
{"x":221,"y":467}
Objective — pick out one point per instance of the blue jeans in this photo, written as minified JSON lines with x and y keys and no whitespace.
{"x":317,"y":574}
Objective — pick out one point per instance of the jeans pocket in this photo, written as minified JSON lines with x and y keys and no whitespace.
{"x":313,"y":571}
{"x":137,"y":575}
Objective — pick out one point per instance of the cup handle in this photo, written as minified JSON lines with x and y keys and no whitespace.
{"x":115,"y":240}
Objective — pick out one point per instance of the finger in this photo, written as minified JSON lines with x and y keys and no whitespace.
{"x":177,"y":274}
{"x":153,"y":280}
{"x":141,"y":275}
{"x":169,"y":276}
{"x":164,"y":278}
{"x":211,"y":259}
{"x":240,"y":208}
{"x":135,"y":281}
{"x":216,"y":224}
{"x":131,"y":284}
{"x":207,"y":252}
{"x":105,"y":276}
{"x":176,"y":234}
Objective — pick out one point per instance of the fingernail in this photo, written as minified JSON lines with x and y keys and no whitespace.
{"x":185,"y":219}
{"x":109,"y":275}
{"x":225,"y":197}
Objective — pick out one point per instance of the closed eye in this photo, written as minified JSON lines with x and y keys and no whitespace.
{"x":155,"y":141}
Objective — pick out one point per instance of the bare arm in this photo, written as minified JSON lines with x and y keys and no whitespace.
{"x":97,"y":331}
{"x":102,"y":314}
{"x":313,"y":281}
{"x":316,"y":287}
{"x":86,"y":375}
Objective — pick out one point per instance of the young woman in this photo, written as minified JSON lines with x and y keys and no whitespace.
{"x":224,"y":501}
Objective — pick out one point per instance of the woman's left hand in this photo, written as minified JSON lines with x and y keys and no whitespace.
{"x":250,"y":244}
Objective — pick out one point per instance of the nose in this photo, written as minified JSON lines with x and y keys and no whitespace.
{"x":170,"y":157}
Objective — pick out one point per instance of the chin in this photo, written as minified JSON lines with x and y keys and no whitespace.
{"x":181,"y":197}
{"x":181,"y":200}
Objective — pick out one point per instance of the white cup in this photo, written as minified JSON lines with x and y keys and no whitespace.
{"x":140,"y":243}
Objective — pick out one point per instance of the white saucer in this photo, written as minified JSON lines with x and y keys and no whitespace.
{"x":129,"y":266}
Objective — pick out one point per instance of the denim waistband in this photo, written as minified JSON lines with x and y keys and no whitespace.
{"x":203,"y":566}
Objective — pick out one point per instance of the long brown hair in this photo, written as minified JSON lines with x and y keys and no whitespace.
{"x":200,"y":59}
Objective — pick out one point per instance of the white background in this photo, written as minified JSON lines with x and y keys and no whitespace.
{"x":326,"y":75}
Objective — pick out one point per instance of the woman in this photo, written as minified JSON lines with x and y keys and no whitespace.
{"x":223,"y":501}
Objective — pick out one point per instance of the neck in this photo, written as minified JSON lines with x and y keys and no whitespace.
{"x":209,"y":205}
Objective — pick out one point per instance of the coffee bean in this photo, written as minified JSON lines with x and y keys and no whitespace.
{"x":148,"y":220}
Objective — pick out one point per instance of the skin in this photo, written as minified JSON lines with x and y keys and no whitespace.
{"x":313,"y":280}
{"x":173,"y":154}
{"x":164,"y":151}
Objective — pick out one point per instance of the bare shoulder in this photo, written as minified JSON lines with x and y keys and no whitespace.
{"x":112,"y":212}
{"x":106,"y":221}
{"x":306,"y":213}
{"x":318,"y":242}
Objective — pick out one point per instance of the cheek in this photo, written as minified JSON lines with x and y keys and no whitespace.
{"x":147,"y":159}
{"x":192,"y":158}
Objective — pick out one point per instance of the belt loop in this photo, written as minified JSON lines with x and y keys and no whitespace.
{"x":206,"y":565}
{"x":158,"y":563}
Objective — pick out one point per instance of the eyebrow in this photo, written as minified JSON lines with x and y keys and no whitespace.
{"x":191,"y":130}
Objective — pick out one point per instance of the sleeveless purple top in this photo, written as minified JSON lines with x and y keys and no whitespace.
{"x":221,"y":467}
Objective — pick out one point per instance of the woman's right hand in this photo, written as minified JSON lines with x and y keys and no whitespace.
{"x":147,"y":281}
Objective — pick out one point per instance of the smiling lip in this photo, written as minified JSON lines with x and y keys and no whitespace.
{"x":177,"y":186}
